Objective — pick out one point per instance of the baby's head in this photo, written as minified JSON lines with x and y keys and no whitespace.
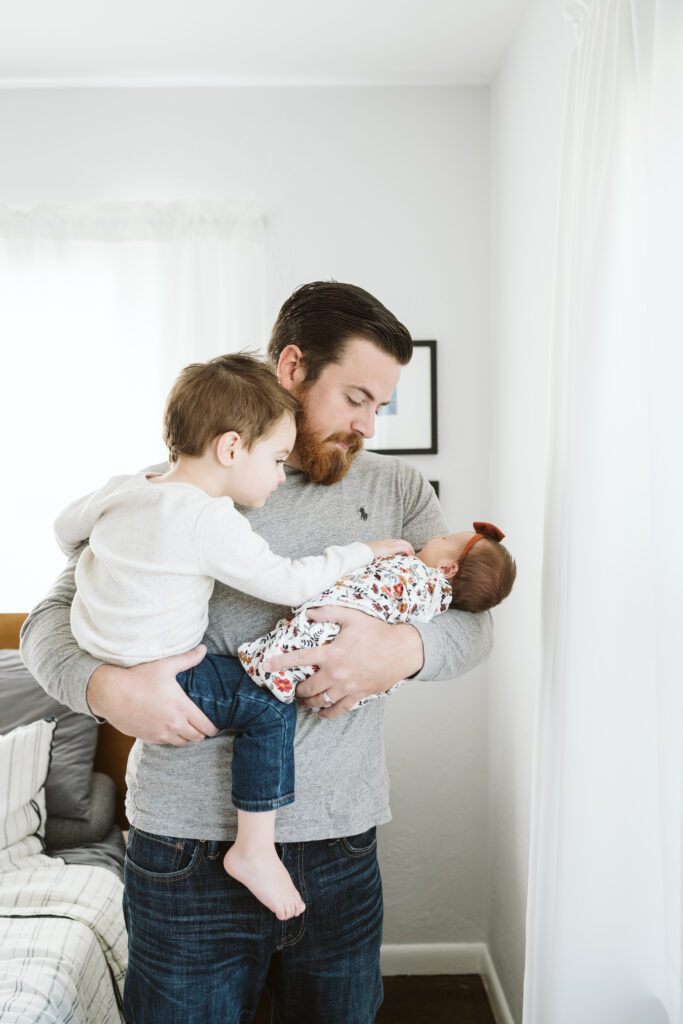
{"x":479,"y":569}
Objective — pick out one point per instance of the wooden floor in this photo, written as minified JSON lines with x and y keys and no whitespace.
{"x":433,"y":999}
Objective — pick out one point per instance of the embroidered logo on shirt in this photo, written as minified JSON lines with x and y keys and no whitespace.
{"x":363,"y":514}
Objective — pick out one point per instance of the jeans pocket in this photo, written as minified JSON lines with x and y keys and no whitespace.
{"x":162,"y":857}
{"x":359,"y":845}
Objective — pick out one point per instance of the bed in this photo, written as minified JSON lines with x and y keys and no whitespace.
{"x":63,"y":943}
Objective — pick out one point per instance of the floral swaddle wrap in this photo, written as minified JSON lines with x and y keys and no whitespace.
{"x":396,"y":588}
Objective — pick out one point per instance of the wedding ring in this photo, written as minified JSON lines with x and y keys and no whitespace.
{"x":328,"y":700}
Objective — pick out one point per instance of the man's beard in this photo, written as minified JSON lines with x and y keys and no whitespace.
{"x":321,"y":460}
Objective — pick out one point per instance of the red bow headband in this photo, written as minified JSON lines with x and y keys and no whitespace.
{"x":482,"y":530}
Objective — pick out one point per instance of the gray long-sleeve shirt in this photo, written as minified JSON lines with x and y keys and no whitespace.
{"x":342,"y":785}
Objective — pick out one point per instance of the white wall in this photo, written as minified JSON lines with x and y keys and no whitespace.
{"x":526,"y":112}
{"x":388,"y":188}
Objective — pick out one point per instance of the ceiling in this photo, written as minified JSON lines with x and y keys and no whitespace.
{"x":253,"y":42}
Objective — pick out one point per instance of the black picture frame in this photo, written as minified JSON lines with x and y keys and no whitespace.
{"x":411,"y":413}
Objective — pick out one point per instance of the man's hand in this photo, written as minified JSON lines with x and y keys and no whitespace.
{"x":368,"y":656}
{"x":146,"y":701}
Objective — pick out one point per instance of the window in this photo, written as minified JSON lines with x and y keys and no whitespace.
{"x":100,"y":307}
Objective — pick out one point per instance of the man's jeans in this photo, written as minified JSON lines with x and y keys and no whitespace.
{"x":201,"y":947}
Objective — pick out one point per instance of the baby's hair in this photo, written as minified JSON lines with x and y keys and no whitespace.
{"x":233,"y":392}
{"x":484,"y":578}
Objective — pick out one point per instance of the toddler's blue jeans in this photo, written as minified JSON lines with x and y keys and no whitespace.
{"x":263,"y":749}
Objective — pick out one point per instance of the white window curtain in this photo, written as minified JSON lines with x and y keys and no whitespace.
{"x":100,"y":307}
{"x":605,"y":897}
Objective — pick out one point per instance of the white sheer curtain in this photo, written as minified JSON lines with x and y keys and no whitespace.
{"x":100,"y":306}
{"x":605,"y":899}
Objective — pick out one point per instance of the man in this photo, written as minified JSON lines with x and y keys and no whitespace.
{"x":201,"y":946}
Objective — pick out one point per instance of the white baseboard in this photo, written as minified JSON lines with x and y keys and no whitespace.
{"x":494,"y":989}
{"x":449,"y":958}
{"x":432,"y":958}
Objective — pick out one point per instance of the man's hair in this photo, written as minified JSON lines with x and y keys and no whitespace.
{"x":321,"y":317}
{"x":232,"y":392}
{"x":484,"y":577}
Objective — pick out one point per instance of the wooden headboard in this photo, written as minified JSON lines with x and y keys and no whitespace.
{"x":112,"y":746}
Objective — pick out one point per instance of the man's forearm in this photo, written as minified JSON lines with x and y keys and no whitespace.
{"x":454,"y":643}
{"x":49,"y":650}
{"x":409,"y":648}
{"x":99,"y":688}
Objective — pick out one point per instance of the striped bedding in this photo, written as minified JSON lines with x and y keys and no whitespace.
{"x":63,"y":943}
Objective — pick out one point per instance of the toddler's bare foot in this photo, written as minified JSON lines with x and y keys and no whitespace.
{"x":267,"y":878}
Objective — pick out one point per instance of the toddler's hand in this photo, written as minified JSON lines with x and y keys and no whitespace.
{"x":392,"y":546}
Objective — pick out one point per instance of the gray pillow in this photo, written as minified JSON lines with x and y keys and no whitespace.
{"x":22,"y":701}
{"x":65,"y":832}
{"x":107,"y":853}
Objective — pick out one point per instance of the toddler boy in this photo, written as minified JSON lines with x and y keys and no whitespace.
{"x":157,"y":544}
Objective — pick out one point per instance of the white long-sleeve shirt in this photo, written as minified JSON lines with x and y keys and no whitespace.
{"x":155,"y":552}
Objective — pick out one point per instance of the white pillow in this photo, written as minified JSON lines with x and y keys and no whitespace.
{"x":24,"y":761}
